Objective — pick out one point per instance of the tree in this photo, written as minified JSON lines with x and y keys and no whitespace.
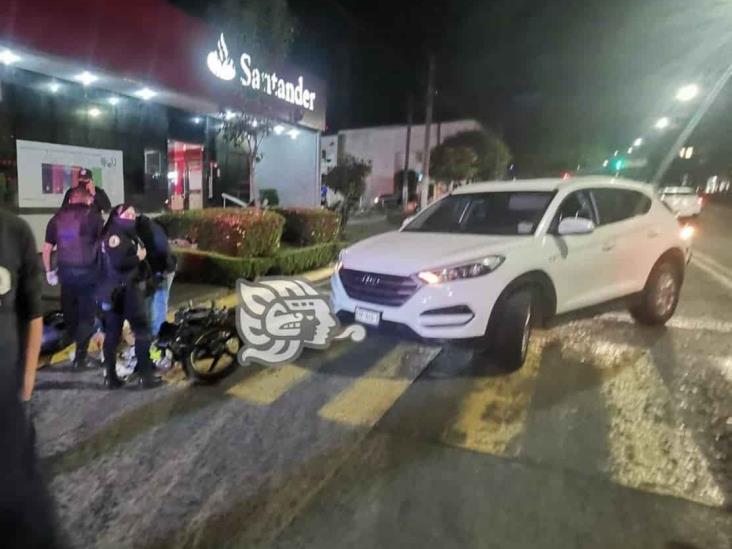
{"x":450,"y":164}
{"x":265,"y":29}
{"x":349,"y":179}
{"x":491,"y":152}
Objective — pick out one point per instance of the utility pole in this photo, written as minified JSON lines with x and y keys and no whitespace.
{"x":428,"y":132}
{"x":405,"y":173}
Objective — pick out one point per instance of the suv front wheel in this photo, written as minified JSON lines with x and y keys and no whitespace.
{"x":660,"y":297}
{"x":513,"y":330}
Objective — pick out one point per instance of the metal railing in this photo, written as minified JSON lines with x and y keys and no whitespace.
{"x":239,"y":202}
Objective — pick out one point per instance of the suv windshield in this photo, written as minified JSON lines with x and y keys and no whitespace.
{"x":493,"y":213}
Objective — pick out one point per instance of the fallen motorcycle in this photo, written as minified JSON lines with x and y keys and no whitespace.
{"x":204,"y":340}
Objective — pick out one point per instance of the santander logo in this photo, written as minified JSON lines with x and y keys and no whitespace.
{"x":220,"y":62}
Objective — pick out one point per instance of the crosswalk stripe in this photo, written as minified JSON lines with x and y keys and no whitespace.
{"x":495,"y":412}
{"x":267,"y":386}
{"x":369,"y":397}
{"x":271,"y":383}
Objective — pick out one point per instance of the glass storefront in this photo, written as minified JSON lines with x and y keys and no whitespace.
{"x":171,"y":158}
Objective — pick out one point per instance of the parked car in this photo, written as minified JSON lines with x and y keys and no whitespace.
{"x":493,"y":260}
{"x":683,"y":201}
{"x":387,"y":201}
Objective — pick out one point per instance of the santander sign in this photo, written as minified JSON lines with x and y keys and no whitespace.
{"x":221,"y":64}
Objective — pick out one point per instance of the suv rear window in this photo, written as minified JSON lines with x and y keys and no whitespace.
{"x":615,"y":205}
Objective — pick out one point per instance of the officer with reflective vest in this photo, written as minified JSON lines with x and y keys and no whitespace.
{"x":126,"y":283}
{"x":75,"y":233}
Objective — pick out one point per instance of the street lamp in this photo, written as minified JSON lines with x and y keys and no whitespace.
{"x":663,"y":123}
{"x":687,"y":93}
{"x":638,"y":142}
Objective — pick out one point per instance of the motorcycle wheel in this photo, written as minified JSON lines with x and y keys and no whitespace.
{"x":213,"y":355}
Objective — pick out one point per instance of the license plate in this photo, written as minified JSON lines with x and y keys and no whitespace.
{"x":365,"y":316}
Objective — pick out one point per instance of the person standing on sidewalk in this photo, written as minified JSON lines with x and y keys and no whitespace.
{"x":122,"y":295}
{"x":75,"y":232}
{"x":162,"y":263}
{"x":26,"y":516}
{"x":86,"y":181}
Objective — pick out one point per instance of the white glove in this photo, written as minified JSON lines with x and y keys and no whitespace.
{"x":52,"y":278}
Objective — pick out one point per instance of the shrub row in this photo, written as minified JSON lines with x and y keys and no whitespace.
{"x":212,"y":268}
{"x":242,"y":233}
{"x":251,"y":232}
{"x":306,"y":226}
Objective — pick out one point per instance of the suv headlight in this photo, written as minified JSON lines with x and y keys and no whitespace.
{"x":339,"y":262}
{"x":473,"y":269}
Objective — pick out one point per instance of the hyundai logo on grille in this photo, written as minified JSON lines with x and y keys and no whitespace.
{"x":370,"y":280}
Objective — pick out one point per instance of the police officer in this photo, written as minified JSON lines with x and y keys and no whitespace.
{"x":122,"y":294}
{"x":75,"y":232}
{"x":86,"y":180}
{"x":26,"y":517}
{"x":162,"y":263}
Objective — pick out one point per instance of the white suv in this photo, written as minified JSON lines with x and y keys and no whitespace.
{"x":492,"y":260}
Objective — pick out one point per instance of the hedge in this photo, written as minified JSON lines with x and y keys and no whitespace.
{"x":212,"y":268}
{"x":243,"y":233}
{"x":305,"y":226}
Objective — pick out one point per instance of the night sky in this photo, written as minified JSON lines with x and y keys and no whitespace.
{"x":563,"y":81}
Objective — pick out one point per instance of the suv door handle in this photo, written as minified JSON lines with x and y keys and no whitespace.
{"x":653,"y":233}
{"x":608,"y":246}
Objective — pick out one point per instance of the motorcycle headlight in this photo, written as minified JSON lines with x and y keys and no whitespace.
{"x":473,"y":269}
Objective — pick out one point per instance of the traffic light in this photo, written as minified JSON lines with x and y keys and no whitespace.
{"x":618,"y":164}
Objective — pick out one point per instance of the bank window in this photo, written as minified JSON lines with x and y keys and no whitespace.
{"x":153,"y":162}
{"x":615,"y":205}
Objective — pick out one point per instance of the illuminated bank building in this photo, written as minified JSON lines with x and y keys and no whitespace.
{"x":137,"y":92}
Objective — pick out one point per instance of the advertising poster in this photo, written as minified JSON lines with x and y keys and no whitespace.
{"x":47,"y":170}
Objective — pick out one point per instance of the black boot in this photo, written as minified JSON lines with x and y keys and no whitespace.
{"x":81,"y":359}
{"x":111,"y":381}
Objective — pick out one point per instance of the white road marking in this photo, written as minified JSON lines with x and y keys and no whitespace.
{"x":679,"y":322}
{"x":713,"y":271}
{"x":713,"y":262}
{"x":724,"y":365}
{"x":651,"y":449}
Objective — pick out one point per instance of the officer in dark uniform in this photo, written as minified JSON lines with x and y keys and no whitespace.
{"x":86,"y":180}
{"x":123,"y":291}
{"x":26,"y":517}
{"x":75,"y":232}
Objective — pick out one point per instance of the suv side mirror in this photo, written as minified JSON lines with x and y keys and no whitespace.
{"x":407,"y":221}
{"x":575,"y":226}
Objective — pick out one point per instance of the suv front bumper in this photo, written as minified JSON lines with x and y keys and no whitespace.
{"x":422,"y":312}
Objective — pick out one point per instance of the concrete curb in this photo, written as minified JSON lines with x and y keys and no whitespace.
{"x":319,"y":275}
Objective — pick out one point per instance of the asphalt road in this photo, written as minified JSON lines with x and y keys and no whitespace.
{"x":612,"y":435}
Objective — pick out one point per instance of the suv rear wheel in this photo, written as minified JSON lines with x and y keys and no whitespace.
{"x":660,"y":296}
